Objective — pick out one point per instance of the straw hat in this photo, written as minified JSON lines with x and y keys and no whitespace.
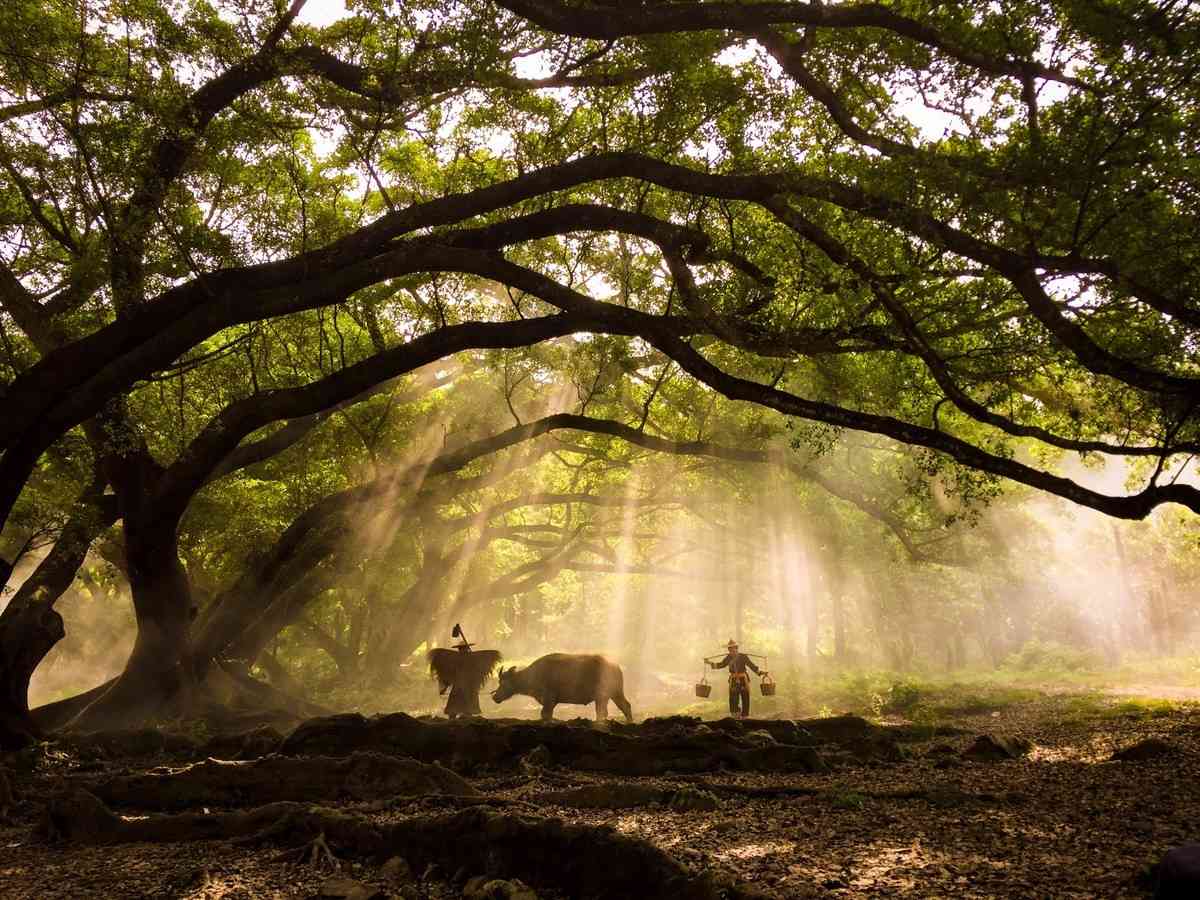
{"x":462,"y":638}
{"x":732,"y":645}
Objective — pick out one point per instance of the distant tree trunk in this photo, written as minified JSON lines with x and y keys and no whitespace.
{"x":956,"y":654}
{"x":901,"y":622}
{"x":262,"y":620}
{"x":519,"y":623}
{"x":358,"y":617}
{"x":791,"y":650}
{"x":990,"y":625}
{"x":835,"y":579}
{"x":1159,"y":618}
{"x":344,"y":658}
{"x":1129,"y":607}
{"x":837,"y":600}
{"x":813,"y":610}
{"x":399,"y":630}
{"x":876,"y":604}
{"x":1011,"y":618}
{"x":279,"y":676}
{"x":274,"y":589}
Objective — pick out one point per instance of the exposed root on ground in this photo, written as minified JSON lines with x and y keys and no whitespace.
{"x":360,"y":776}
{"x":315,"y":853}
{"x":580,"y":860}
{"x":226,"y":699}
{"x":471,"y":744}
{"x":674,"y":745}
{"x":937,"y":796}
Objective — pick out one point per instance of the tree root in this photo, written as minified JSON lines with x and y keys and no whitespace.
{"x":750,"y":793}
{"x":213,"y":782}
{"x":938,"y":796}
{"x":580,"y":860}
{"x":451,"y":800}
{"x":227,"y":698}
{"x":129,"y":743}
{"x":466,"y":746}
{"x":618,"y":795}
{"x":317,"y":851}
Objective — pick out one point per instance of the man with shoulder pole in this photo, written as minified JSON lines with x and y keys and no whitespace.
{"x":739,"y":680}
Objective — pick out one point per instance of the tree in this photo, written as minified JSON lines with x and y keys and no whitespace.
{"x":778,"y":227}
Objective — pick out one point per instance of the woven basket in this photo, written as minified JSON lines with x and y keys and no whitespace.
{"x":767,"y":686}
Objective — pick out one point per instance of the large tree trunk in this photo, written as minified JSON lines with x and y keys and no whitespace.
{"x":26,"y":636}
{"x":30,"y":626}
{"x":159,"y":671}
{"x":56,"y":715}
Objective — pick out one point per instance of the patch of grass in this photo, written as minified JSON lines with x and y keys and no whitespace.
{"x":702,"y":708}
{"x":843,"y":798}
{"x":1049,"y":657}
{"x":1060,"y":680}
{"x":1077,"y":707}
{"x":1174,"y":671}
{"x":1142,"y":708}
{"x":959,"y":699}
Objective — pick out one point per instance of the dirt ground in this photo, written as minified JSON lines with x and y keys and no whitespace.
{"x":1064,"y":821}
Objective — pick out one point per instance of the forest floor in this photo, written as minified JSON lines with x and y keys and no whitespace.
{"x":900,"y":811}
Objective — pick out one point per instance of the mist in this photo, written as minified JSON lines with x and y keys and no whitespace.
{"x":100,"y":630}
{"x":686,"y":553}
{"x":849,"y":561}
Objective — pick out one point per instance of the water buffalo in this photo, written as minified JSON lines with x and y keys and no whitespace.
{"x":567,"y":678}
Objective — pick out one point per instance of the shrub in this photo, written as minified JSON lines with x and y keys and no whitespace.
{"x":903,"y":696}
{"x":1048,"y":655}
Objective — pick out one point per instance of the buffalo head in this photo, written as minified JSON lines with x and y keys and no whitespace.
{"x":508,"y":684}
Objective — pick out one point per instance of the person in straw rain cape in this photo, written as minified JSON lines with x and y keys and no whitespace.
{"x":739,"y":681}
{"x":463,"y":671}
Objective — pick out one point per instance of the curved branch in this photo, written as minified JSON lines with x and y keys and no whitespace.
{"x":196,"y":464}
{"x":650,"y":329}
{"x":69,"y":385}
{"x":937,"y":367}
{"x":59,"y":98}
{"x":612,"y":21}
{"x":154,"y":336}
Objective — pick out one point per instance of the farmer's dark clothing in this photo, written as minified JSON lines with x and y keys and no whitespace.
{"x":462,"y":701}
{"x":462,"y":671}
{"x":738,"y":664}
{"x":739,"y":682}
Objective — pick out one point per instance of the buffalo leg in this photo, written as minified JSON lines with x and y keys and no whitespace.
{"x":548,"y":710}
{"x":601,"y":709}
{"x":620,"y":700}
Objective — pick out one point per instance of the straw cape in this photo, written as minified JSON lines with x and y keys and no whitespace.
{"x":463,"y":671}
